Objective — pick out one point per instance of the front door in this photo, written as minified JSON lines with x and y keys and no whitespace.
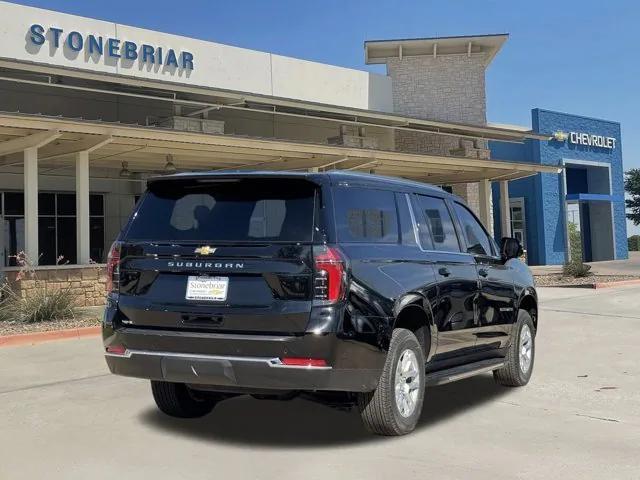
{"x":496,"y":302}
{"x":496,"y":306}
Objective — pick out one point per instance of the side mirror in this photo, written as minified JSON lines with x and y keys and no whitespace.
{"x":510,"y":248}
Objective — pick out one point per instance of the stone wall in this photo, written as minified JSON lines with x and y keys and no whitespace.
{"x":448,"y":88}
{"x":87,"y":282}
{"x":470,"y":192}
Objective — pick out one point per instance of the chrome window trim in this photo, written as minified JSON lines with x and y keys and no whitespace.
{"x":414,"y":224}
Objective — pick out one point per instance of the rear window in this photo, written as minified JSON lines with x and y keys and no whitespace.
{"x":246,"y":210}
{"x":366,"y":215}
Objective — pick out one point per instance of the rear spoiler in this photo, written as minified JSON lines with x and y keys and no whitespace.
{"x":232,"y":175}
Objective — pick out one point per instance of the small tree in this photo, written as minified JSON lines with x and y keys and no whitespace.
{"x":632,"y":186}
{"x":575,"y":267}
{"x":575,"y":243}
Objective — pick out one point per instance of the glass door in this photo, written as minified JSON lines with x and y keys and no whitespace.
{"x":518,"y":223}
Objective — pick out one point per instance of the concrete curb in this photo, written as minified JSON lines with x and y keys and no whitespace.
{"x":619,"y":283}
{"x":41,"y":337}
{"x":596,"y":285}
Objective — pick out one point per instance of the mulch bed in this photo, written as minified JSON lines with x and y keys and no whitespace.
{"x":558,"y":280}
{"x":14,"y":328}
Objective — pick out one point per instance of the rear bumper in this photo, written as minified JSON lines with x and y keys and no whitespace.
{"x":234,"y":361}
{"x":227,"y":372}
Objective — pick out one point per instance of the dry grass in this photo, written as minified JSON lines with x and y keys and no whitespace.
{"x":43,"y":304}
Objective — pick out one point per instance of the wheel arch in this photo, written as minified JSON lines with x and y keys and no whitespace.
{"x":414,"y":313}
{"x":529,"y":302}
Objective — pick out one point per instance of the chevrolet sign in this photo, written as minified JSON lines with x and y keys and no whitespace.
{"x":590,"y":140}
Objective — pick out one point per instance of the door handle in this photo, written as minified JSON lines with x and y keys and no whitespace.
{"x":444,"y":271}
{"x":483,"y":272}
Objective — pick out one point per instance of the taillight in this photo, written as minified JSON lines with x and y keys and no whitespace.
{"x":113,"y":268}
{"x":329,"y":277}
{"x":116,"y":349}
{"x":303,"y":362}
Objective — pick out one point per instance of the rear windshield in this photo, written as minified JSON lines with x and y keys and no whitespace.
{"x":245,"y":210}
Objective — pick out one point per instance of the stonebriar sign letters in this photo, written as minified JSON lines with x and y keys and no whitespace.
{"x":113,"y":48}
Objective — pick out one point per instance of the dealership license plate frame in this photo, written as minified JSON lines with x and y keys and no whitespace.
{"x":207,"y":289}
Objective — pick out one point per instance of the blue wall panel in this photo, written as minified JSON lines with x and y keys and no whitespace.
{"x":544,"y":193}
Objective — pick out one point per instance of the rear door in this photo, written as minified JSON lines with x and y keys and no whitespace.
{"x":496,"y":303}
{"x":224,"y":254}
{"x":455,"y":313}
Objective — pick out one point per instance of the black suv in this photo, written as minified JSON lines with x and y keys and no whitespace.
{"x":348,"y":289}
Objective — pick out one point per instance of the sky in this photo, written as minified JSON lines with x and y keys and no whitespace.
{"x":580,"y":57}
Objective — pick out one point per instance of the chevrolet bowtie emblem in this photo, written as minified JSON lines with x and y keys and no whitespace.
{"x":560,"y":136}
{"x":205,"y":250}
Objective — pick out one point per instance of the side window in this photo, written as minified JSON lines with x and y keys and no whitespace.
{"x":436,"y":225}
{"x":478,"y":242}
{"x":365,"y":215}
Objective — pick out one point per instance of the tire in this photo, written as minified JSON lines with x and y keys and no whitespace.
{"x":516,"y":373}
{"x":380,"y":410}
{"x":177,"y":400}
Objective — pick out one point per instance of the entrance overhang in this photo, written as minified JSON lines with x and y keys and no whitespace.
{"x":199,"y":100}
{"x":145,"y":149}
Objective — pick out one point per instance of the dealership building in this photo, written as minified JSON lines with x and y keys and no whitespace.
{"x":90,"y":109}
{"x":589,"y":193}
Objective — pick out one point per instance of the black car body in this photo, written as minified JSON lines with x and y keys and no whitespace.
{"x":276,"y":283}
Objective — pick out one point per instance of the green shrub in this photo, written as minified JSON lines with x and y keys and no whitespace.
{"x":42,"y":304}
{"x":634,"y":243}
{"x":575,"y":243}
{"x":576,"y":269}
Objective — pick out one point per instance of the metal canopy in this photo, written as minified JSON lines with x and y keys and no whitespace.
{"x":146,"y":150}
{"x":197,"y":100}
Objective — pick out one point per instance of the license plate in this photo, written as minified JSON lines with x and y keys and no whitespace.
{"x":213,"y":289}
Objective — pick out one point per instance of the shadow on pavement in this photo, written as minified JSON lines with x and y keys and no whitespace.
{"x":299,"y":423}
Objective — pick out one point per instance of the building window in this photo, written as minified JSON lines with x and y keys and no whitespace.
{"x":56,"y":227}
{"x":518,"y":227}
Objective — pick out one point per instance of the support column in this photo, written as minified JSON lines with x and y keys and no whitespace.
{"x":31,"y":204}
{"x":82,"y":208}
{"x":505,"y":209}
{"x":484,"y":199}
